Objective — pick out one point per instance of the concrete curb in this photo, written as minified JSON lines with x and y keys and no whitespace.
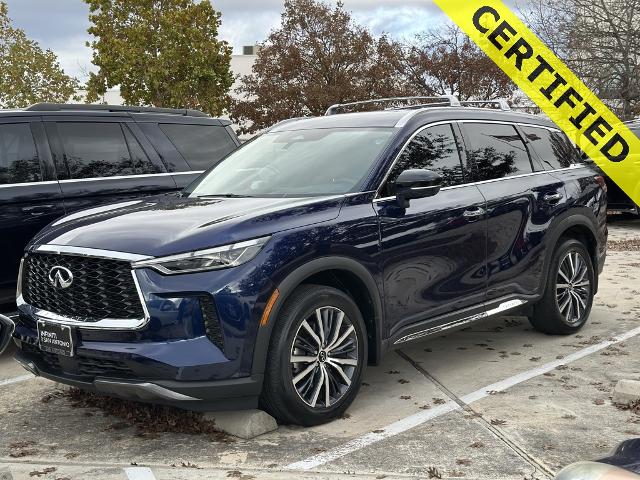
{"x":245,"y":424}
{"x":626,"y":391}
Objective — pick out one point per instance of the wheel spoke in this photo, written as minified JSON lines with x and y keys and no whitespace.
{"x":303,"y":373}
{"x":340,"y":371}
{"x":563,"y":275}
{"x":327,"y":393}
{"x":318,"y":387}
{"x":340,"y":340}
{"x":336,"y":330}
{"x":345,"y":361}
{"x":303,"y":359}
{"x":309,"y":330}
{"x":320,"y":322}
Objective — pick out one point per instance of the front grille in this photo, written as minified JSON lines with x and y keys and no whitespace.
{"x":211,"y":322}
{"x":101,"y":288}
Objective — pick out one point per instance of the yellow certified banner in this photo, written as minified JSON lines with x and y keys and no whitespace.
{"x":552,"y":86}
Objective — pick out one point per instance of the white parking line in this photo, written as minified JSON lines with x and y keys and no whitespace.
{"x":21,"y":378}
{"x":423,"y":416}
{"x":139,"y":473}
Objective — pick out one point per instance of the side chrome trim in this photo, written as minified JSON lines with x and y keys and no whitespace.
{"x":503,"y":307}
{"x":572,"y":167}
{"x":124,"y":177}
{"x":91,"y":252}
{"x":142,"y":390}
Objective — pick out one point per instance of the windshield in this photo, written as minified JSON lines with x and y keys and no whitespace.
{"x":296,"y":164}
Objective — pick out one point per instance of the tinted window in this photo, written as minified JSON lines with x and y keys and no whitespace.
{"x":495,"y":151}
{"x":553,"y":148}
{"x":140,"y":160}
{"x":297,"y":163}
{"x":96,"y":150}
{"x":200,"y":145}
{"x":434,"y":149}
{"x":18,"y":158}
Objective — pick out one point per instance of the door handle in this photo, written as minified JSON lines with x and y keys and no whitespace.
{"x":474,"y":214}
{"x":552,"y":197}
{"x":38,"y":210}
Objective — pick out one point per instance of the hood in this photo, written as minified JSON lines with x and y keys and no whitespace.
{"x":166,"y":225}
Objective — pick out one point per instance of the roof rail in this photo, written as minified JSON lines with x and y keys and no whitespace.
{"x":500,"y":103}
{"x":59,"y":107}
{"x":441,"y":101}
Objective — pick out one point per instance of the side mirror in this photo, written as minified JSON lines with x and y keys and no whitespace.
{"x":418,"y":183}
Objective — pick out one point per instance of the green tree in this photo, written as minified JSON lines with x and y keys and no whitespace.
{"x":29,"y":74}
{"x":163,"y":53}
{"x":317,"y":57}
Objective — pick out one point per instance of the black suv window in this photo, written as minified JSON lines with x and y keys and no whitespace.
{"x":495,"y":151}
{"x":434,"y":148}
{"x":18,"y":157}
{"x":100,"y":150}
{"x":202,"y":146}
{"x":553,"y":148}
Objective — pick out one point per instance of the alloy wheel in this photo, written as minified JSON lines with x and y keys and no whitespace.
{"x":573,"y":287}
{"x":324,"y":357}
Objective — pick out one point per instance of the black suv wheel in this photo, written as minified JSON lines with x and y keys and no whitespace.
{"x":316,"y":357}
{"x":568,"y":298}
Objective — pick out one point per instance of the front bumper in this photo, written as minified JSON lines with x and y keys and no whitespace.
{"x":240,"y":393}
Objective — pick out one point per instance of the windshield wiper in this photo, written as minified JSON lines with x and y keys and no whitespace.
{"x":225,"y":195}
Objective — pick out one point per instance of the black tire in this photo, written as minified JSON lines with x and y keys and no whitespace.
{"x":279,"y":395}
{"x":552,"y":315}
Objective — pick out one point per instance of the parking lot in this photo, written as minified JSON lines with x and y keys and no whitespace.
{"x":497,"y":400}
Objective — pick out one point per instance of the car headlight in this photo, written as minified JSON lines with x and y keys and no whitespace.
{"x":210,"y":259}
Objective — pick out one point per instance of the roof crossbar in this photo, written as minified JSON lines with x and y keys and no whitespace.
{"x":59,"y":107}
{"x":444,"y":100}
{"x":500,"y":103}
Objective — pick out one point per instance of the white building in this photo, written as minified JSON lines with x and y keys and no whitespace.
{"x":241,"y":65}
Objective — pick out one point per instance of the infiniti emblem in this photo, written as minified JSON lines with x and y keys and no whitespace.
{"x":60,"y":277}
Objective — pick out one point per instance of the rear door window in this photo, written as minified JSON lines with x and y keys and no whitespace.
{"x":495,"y":151}
{"x":202,"y":146}
{"x":553,"y":148}
{"x":100,"y":149}
{"x":19,"y":161}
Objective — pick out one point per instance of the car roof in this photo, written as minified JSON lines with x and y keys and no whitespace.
{"x":169,"y":115}
{"x":406,"y":117}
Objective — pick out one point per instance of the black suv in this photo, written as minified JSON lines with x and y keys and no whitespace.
{"x":311,"y":251}
{"x":56,"y":159}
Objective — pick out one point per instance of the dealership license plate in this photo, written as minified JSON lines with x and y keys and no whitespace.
{"x":56,"y":339}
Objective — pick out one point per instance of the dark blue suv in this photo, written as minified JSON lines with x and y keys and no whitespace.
{"x":310,"y":252}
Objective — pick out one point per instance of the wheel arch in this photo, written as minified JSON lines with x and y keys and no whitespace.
{"x":342,"y":273}
{"x":580,"y":227}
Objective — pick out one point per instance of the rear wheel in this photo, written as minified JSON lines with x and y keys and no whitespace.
{"x":568,"y":297}
{"x":316,"y":357}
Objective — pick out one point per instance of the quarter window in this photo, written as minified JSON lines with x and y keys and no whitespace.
{"x":554,"y":149}
{"x":495,"y":151}
{"x":18,"y":156}
{"x":100,"y":150}
{"x":202,"y":146}
{"x":435,"y":149}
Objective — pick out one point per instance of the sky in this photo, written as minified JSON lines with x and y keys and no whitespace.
{"x":61,"y":25}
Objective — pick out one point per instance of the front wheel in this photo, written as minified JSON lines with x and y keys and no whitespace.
{"x":317,"y":354}
{"x":568,"y":297}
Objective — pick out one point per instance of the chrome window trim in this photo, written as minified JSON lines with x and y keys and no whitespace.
{"x":90,"y":252}
{"x":96,"y":179}
{"x":572,"y":167}
{"x":444,"y":122}
{"x":124,"y":177}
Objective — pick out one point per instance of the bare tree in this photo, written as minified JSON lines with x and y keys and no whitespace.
{"x":599,"y":40}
